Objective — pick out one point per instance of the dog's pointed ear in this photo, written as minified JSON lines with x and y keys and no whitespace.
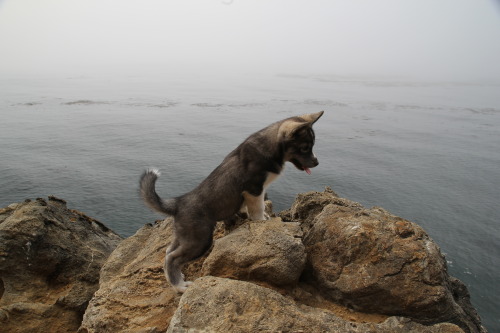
{"x":291,"y":126}
{"x":311,"y":118}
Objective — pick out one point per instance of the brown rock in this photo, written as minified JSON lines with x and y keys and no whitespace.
{"x":376,"y":262}
{"x":50,"y":259}
{"x":214,"y":304}
{"x":266,"y":251}
{"x":355,"y":257}
{"x":133,"y":294}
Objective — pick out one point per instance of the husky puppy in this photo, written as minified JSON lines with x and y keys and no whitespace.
{"x":237,"y":184}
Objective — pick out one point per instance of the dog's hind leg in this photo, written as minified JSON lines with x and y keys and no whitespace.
{"x":172,"y":246}
{"x":173,"y":265}
{"x":183,"y":250}
{"x":169,"y":274}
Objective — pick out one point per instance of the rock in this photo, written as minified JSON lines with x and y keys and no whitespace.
{"x":308,"y":205}
{"x":361,"y":256}
{"x":133,"y":294}
{"x":214,"y":304}
{"x":264,"y":251}
{"x":342,"y":267}
{"x":50,"y":259}
{"x":339,"y":267}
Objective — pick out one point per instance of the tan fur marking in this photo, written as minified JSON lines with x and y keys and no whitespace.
{"x":288,"y":127}
{"x":312,"y":117}
{"x":271,"y":176}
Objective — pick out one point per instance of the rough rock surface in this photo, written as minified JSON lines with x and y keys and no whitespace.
{"x":334,"y":266}
{"x":266,"y":251}
{"x":361,"y":256}
{"x":214,"y":304}
{"x":50,"y":259}
{"x":133,"y":294}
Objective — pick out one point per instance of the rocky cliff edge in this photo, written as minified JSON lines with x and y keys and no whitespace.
{"x":325,"y":265}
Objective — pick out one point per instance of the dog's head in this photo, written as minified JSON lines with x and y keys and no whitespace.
{"x":298,"y":138}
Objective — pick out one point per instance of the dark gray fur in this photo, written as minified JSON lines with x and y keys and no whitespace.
{"x":239,"y":180}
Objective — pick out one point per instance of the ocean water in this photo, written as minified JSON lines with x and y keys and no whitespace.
{"x":428,"y":152}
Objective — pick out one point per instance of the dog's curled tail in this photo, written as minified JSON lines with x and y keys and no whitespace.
{"x":151,"y":198}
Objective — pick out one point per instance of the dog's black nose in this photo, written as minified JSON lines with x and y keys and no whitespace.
{"x":315,"y":162}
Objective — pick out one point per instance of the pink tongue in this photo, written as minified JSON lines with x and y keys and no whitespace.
{"x":307,"y":170}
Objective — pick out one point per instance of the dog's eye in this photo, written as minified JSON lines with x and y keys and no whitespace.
{"x":304,"y":149}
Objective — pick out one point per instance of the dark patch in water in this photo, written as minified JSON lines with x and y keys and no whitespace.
{"x":246,"y":105}
{"x":208,"y":105}
{"x":30,"y":103}
{"x":323,"y":103}
{"x":166,"y":104}
{"x":84,"y":102}
{"x":485,"y":111}
{"x":162,"y":105}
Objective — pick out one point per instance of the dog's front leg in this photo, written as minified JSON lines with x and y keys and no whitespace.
{"x":255,"y":206}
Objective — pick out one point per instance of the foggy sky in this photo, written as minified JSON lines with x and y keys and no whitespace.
{"x":438,"y":39}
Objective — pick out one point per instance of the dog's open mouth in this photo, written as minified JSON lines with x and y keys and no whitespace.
{"x":300,"y":167}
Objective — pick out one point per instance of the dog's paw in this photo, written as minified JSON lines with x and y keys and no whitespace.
{"x":260,"y":217}
{"x":182,"y":287}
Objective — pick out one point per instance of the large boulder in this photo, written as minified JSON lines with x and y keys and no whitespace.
{"x":133,"y":294}
{"x":373,"y":261}
{"x":338,"y":268}
{"x":50,"y":258}
{"x":264,"y":251}
{"x":215,"y":304}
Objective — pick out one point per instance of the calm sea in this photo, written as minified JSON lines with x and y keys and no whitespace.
{"x":428,"y":152}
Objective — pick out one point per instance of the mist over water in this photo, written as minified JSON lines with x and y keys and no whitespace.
{"x":93,"y":92}
{"x":447,"y":39}
{"x":427,"y":152}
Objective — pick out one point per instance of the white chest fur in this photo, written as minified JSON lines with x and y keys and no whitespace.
{"x":254,"y":206}
{"x":271,"y":176}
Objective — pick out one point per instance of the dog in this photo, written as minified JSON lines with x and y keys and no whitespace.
{"x":238,"y":184}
